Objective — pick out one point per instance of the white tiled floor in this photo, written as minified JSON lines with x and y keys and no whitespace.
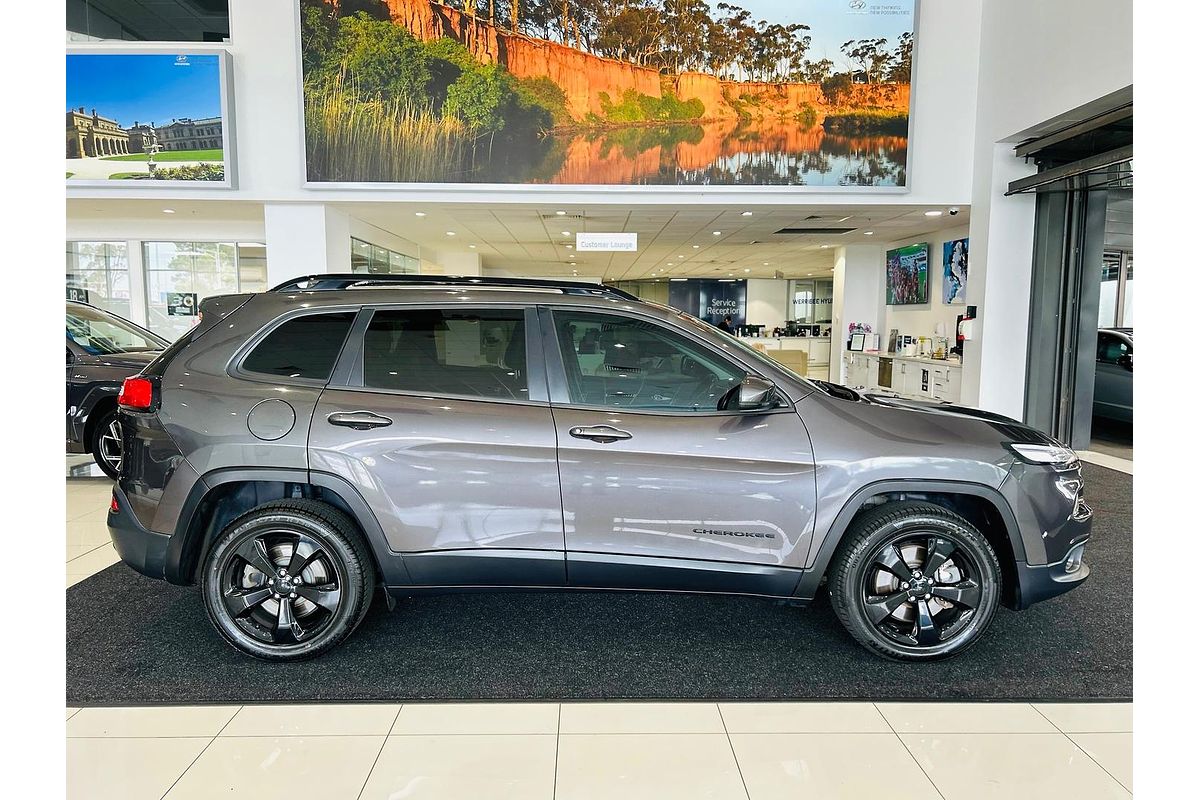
{"x":627,"y":751}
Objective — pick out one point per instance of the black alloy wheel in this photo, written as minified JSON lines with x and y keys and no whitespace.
{"x":915,"y":581}
{"x":288,"y":580}
{"x":106,"y":446}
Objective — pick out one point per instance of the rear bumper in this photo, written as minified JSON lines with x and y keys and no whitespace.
{"x":142,"y":549}
{"x":1041,"y":582}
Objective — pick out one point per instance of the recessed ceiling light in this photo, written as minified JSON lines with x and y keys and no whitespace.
{"x":747,"y":269}
{"x":868,"y":233}
{"x":810,"y":274}
{"x":418,"y":213}
{"x":766,"y":263}
{"x":168,"y":211}
{"x":747,"y":213}
{"x":716,"y":233}
{"x":824,"y":247}
{"x":570,"y":247}
{"x":565,"y":233}
{"x":695,"y":247}
{"x":561,"y":213}
{"x":673,"y":280}
{"x":451,"y":233}
{"x":933,"y":213}
{"x":471,"y":246}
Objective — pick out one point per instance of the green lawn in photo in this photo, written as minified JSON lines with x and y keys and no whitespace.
{"x":173,"y":155}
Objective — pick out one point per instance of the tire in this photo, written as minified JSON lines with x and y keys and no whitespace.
{"x":104,"y":449}
{"x":880,"y":578}
{"x":261,"y":608}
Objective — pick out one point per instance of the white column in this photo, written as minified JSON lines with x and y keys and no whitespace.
{"x":138,"y":307}
{"x":998,"y":283}
{"x":305,"y":239}
{"x":857,"y":297}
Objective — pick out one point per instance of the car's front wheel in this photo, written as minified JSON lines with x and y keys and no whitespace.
{"x":288,"y":580}
{"x":106,"y":445}
{"x":915,"y":582}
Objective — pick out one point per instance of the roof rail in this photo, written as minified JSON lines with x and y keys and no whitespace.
{"x":334,"y":281}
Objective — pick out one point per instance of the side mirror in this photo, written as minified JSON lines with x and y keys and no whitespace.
{"x":752,"y":394}
{"x":1126,"y":361}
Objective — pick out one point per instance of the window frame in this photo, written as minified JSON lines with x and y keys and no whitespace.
{"x":560,"y":391}
{"x":235,"y":367}
{"x":348,"y":372}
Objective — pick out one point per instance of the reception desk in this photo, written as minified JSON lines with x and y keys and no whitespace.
{"x":815,"y":348}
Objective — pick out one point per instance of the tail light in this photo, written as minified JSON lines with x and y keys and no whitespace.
{"x":137,"y":394}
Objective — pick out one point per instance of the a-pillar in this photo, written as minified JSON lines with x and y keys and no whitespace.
{"x":857,"y":298}
{"x":305,"y":239}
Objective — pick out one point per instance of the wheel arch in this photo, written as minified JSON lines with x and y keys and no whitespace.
{"x":222,"y":496}
{"x":100,"y":405}
{"x":982,"y":506}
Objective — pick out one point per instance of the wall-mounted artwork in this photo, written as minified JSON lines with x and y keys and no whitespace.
{"x":954,"y":271}
{"x":908,"y":275}
{"x":154,"y":117}
{"x":799,"y":93}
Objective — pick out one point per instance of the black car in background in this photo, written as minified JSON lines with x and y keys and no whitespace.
{"x":102,"y":351}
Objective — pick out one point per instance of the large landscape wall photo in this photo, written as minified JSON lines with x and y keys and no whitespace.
{"x":677,"y":92}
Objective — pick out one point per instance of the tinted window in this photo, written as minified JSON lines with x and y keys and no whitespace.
{"x":470,"y":353}
{"x":304,"y":347}
{"x":1109,"y":348}
{"x":620,"y":361}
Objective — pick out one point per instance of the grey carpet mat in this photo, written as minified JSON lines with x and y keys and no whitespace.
{"x":131,"y":640}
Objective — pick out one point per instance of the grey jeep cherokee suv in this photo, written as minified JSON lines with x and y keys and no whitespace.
{"x":301,"y":447}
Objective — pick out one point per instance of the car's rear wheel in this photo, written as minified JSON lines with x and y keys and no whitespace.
{"x":288,"y":580}
{"x":106,"y":445}
{"x":915,"y":582}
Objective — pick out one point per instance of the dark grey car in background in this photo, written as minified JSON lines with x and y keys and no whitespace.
{"x":102,"y":351}
{"x":303,"y":447}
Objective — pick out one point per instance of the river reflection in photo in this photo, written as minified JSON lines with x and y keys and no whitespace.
{"x":725,"y":152}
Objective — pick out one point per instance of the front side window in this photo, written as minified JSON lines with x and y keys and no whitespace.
{"x":304,"y":347}
{"x":1110,"y":348}
{"x":456,"y":352}
{"x":623,"y":362}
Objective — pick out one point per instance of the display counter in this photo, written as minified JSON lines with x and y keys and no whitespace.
{"x":915,"y":377}
{"x":816,"y":348}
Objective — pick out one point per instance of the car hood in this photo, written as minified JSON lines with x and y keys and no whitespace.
{"x":1014,"y":430}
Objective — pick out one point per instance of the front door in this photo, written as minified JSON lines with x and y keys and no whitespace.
{"x":439,"y":419}
{"x":660,"y":489}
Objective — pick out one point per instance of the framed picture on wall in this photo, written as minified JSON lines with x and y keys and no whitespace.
{"x":908,"y":275}
{"x":954,"y":271}
{"x":795,"y":95}
{"x":157,"y":117}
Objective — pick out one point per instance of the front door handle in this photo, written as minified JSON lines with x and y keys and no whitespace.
{"x":605,"y":434}
{"x":358,"y":420}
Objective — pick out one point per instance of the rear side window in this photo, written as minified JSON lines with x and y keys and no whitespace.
{"x":467,"y":353}
{"x":304,"y":347}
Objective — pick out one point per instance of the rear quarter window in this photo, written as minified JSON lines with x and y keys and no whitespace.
{"x":303,"y":347}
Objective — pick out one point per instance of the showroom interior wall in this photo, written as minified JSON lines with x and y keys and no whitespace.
{"x":1037,"y":61}
{"x":921,"y":319}
{"x":962,"y":110}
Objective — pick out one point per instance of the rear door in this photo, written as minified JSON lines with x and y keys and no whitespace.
{"x":440,"y":419}
{"x":660,"y":489}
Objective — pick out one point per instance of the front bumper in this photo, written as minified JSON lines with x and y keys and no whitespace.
{"x":142,"y":549}
{"x":1041,"y":582}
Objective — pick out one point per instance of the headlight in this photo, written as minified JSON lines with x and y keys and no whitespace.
{"x":1054,"y":455}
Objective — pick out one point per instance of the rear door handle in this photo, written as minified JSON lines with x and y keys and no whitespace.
{"x":605,"y":434}
{"x":358,"y":420}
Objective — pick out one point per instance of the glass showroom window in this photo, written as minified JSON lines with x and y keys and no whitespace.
{"x":181,"y":274}
{"x":812,"y":301}
{"x":98,"y":273}
{"x":1116,"y":290}
{"x":373,"y":259}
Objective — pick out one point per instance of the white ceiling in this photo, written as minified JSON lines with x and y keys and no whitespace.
{"x":672,"y":242}
{"x":528,"y":240}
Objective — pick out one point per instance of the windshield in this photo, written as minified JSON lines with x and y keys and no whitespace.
{"x":102,"y":334}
